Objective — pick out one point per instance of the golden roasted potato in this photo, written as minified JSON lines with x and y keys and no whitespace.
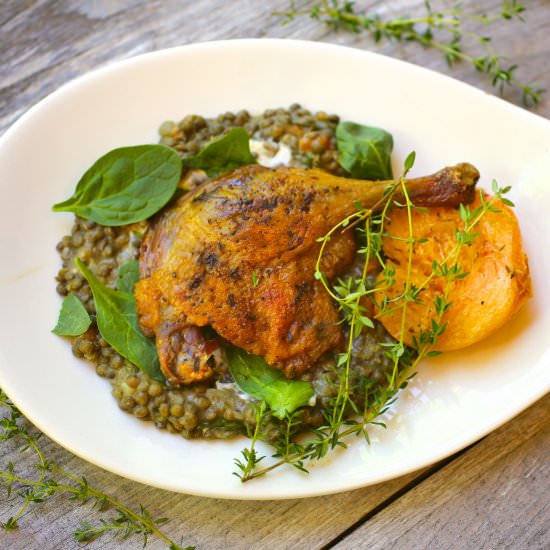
{"x":497,"y":284}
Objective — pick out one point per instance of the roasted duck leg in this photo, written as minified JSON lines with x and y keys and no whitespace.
{"x":238,"y":254}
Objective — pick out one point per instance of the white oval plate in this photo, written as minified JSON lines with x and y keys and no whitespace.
{"x":451,"y":403}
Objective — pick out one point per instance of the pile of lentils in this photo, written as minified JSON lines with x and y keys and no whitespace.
{"x":217,"y":409}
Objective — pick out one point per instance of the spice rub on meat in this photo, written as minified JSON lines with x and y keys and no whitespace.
{"x":238,"y":254}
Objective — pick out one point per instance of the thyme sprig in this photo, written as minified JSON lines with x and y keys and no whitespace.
{"x":340,"y":424}
{"x":442,"y":30}
{"x":344,"y":417}
{"x":53,"y":480}
{"x":251,"y":459}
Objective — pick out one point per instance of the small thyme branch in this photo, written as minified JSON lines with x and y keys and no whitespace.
{"x":339,"y":427}
{"x":249,"y":454}
{"x":443,"y":31}
{"x":54,"y":480}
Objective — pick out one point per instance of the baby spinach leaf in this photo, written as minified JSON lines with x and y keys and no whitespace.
{"x":254,"y":376}
{"x":128,"y":276}
{"x":73,"y":318}
{"x":364,"y":151}
{"x":126,"y":185}
{"x":223,"y":154}
{"x":116,"y":317}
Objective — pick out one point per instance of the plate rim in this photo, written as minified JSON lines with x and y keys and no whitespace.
{"x":115,"y":66}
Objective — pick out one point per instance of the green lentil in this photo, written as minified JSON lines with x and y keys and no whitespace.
{"x":132,"y":381}
{"x":155,"y":389}
{"x":177,"y":409}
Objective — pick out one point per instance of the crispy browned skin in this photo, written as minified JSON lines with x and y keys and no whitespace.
{"x":202,"y":258}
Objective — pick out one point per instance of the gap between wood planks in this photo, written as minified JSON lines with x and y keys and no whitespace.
{"x":398,"y":494}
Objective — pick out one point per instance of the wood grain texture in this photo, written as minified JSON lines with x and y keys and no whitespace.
{"x":491,"y":496}
{"x":207,"y":523}
{"x":44,"y":43}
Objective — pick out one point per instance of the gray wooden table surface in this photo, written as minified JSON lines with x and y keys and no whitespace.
{"x":495,"y":494}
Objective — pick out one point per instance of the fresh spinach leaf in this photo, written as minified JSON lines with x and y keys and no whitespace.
{"x":126,"y":185}
{"x":116,"y":317}
{"x":73,"y":318}
{"x":364,"y":151}
{"x":223,"y":154}
{"x":254,"y":376}
{"x":128,"y":276}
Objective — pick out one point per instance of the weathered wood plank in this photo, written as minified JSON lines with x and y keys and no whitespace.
{"x":207,"y":523}
{"x":79,"y":36}
{"x":493,"y":496}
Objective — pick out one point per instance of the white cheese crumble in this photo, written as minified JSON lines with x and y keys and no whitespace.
{"x":270,"y":154}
